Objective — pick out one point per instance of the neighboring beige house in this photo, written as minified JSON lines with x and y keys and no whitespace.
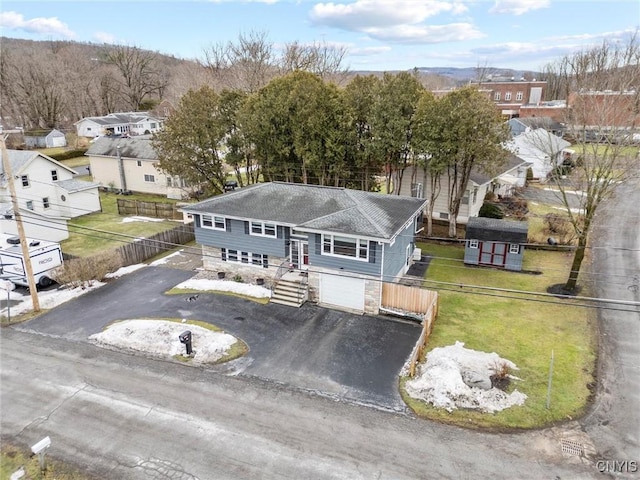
{"x":513,"y":175}
{"x":48,"y":196}
{"x":131,"y":123}
{"x":130,"y":164}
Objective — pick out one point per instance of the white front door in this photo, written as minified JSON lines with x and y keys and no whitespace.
{"x":299,"y":254}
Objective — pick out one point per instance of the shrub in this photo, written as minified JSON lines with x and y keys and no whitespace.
{"x":557,"y":225}
{"x":501,"y":375}
{"x":82,"y":272}
{"x":490,"y":210}
{"x":237,"y":278}
{"x":490,"y":196}
{"x":66,"y":155}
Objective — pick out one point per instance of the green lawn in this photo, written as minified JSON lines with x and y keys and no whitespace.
{"x":84,"y":240}
{"x":525,"y":332}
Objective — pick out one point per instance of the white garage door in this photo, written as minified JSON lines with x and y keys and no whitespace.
{"x":346,"y":292}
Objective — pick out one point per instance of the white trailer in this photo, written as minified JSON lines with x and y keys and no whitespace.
{"x":45,"y":256}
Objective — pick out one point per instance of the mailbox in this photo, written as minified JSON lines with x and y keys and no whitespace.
{"x":185,"y":337}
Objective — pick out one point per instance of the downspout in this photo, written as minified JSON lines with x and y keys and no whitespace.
{"x":381,"y":275}
{"x":123,"y":181}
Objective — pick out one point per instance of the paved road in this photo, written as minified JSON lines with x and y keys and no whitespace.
{"x":352,"y":357}
{"x":614,"y":422}
{"x":130,"y":417}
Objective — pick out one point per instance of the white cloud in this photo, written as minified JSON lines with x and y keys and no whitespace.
{"x":401,"y":21}
{"x":368,"y":51}
{"x":423,"y":34}
{"x":518,"y":7}
{"x":363,"y":15}
{"x":43,"y":26}
{"x":103,"y":37}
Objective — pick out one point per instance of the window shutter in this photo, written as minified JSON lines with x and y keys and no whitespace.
{"x":246,"y":228}
{"x":318,"y":242}
{"x":372,"y":252}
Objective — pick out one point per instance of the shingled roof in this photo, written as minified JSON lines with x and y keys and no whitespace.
{"x":316,"y":208}
{"x":139,"y":147}
{"x":496,"y":230}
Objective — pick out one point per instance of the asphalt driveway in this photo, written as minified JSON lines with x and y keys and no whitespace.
{"x":352,"y":357}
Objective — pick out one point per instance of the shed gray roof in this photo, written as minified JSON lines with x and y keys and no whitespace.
{"x":139,"y":147}
{"x":316,"y":208}
{"x":493,"y":229}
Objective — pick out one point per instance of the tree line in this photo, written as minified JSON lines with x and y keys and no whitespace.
{"x":369,"y":135}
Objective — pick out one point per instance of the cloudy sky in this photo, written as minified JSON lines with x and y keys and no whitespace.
{"x":378,"y":34}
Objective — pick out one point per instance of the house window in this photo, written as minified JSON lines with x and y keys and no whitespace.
{"x":216,"y":223}
{"x":345,"y":247}
{"x":30,"y":204}
{"x":139,"y":163}
{"x":519,"y":96}
{"x":45,"y":202}
{"x":260,"y":260}
{"x":507,"y":96}
{"x":169,"y":182}
{"x":514,"y":248}
{"x":419,"y":225}
{"x":473,"y":243}
{"x":465,"y":200}
{"x":444,"y":215}
{"x":149,"y":178}
{"x":496,"y":96}
{"x":416,"y":190}
{"x":25,"y":180}
{"x":475,"y":195}
{"x":248,"y":258}
{"x":54,"y":175}
{"x":154,"y":126}
{"x":263,"y":229}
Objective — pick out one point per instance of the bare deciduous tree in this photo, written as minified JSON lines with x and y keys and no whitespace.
{"x":603,"y":116}
{"x":140,"y":77}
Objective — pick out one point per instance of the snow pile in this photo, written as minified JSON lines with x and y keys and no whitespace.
{"x":160,"y":338}
{"x":225,"y":286}
{"x":46,"y":299}
{"x":125,"y":270}
{"x":163,"y":260}
{"x":138,"y":218}
{"x":439,"y":380}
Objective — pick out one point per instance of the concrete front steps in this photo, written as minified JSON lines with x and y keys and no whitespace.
{"x":289,"y":292}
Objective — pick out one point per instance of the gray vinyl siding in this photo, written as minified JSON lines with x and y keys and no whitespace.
{"x":237,"y":237}
{"x":316,"y":259}
{"x":395,"y":255}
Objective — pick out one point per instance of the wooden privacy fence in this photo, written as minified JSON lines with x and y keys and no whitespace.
{"x":145,"y":248}
{"x":404,"y":298}
{"x":148,"y":209}
{"x":416,"y":302}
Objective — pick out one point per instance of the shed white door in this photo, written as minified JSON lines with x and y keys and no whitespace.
{"x":346,"y":292}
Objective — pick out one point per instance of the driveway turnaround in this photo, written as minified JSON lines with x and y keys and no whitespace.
{"x":350,"y":357}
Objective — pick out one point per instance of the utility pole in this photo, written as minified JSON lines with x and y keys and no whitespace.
{"x":28,"y":268}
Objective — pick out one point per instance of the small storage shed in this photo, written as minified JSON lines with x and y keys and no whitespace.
{"x":44,"y":139}
{"x":495,"y":243}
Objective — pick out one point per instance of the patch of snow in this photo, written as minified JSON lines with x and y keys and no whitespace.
{"x":160,"y":338}
{"x":137,"y":218}
{"x":225,"y":286}
{"x":163,"y":260}
{"x":125,"y":270}
{"x":439,"y":381}
{"x":47,"y":299}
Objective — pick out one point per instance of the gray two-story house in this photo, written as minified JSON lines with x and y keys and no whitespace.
{"x":341,"y":243}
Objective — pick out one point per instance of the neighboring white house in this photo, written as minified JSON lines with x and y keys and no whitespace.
{"x":129,"y":164}
{"x":542,"y":149}
{"x":512,"y":175}
{"x":44,"y":139}
{"x":48,"y":195}
{"x":132,"y":123}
